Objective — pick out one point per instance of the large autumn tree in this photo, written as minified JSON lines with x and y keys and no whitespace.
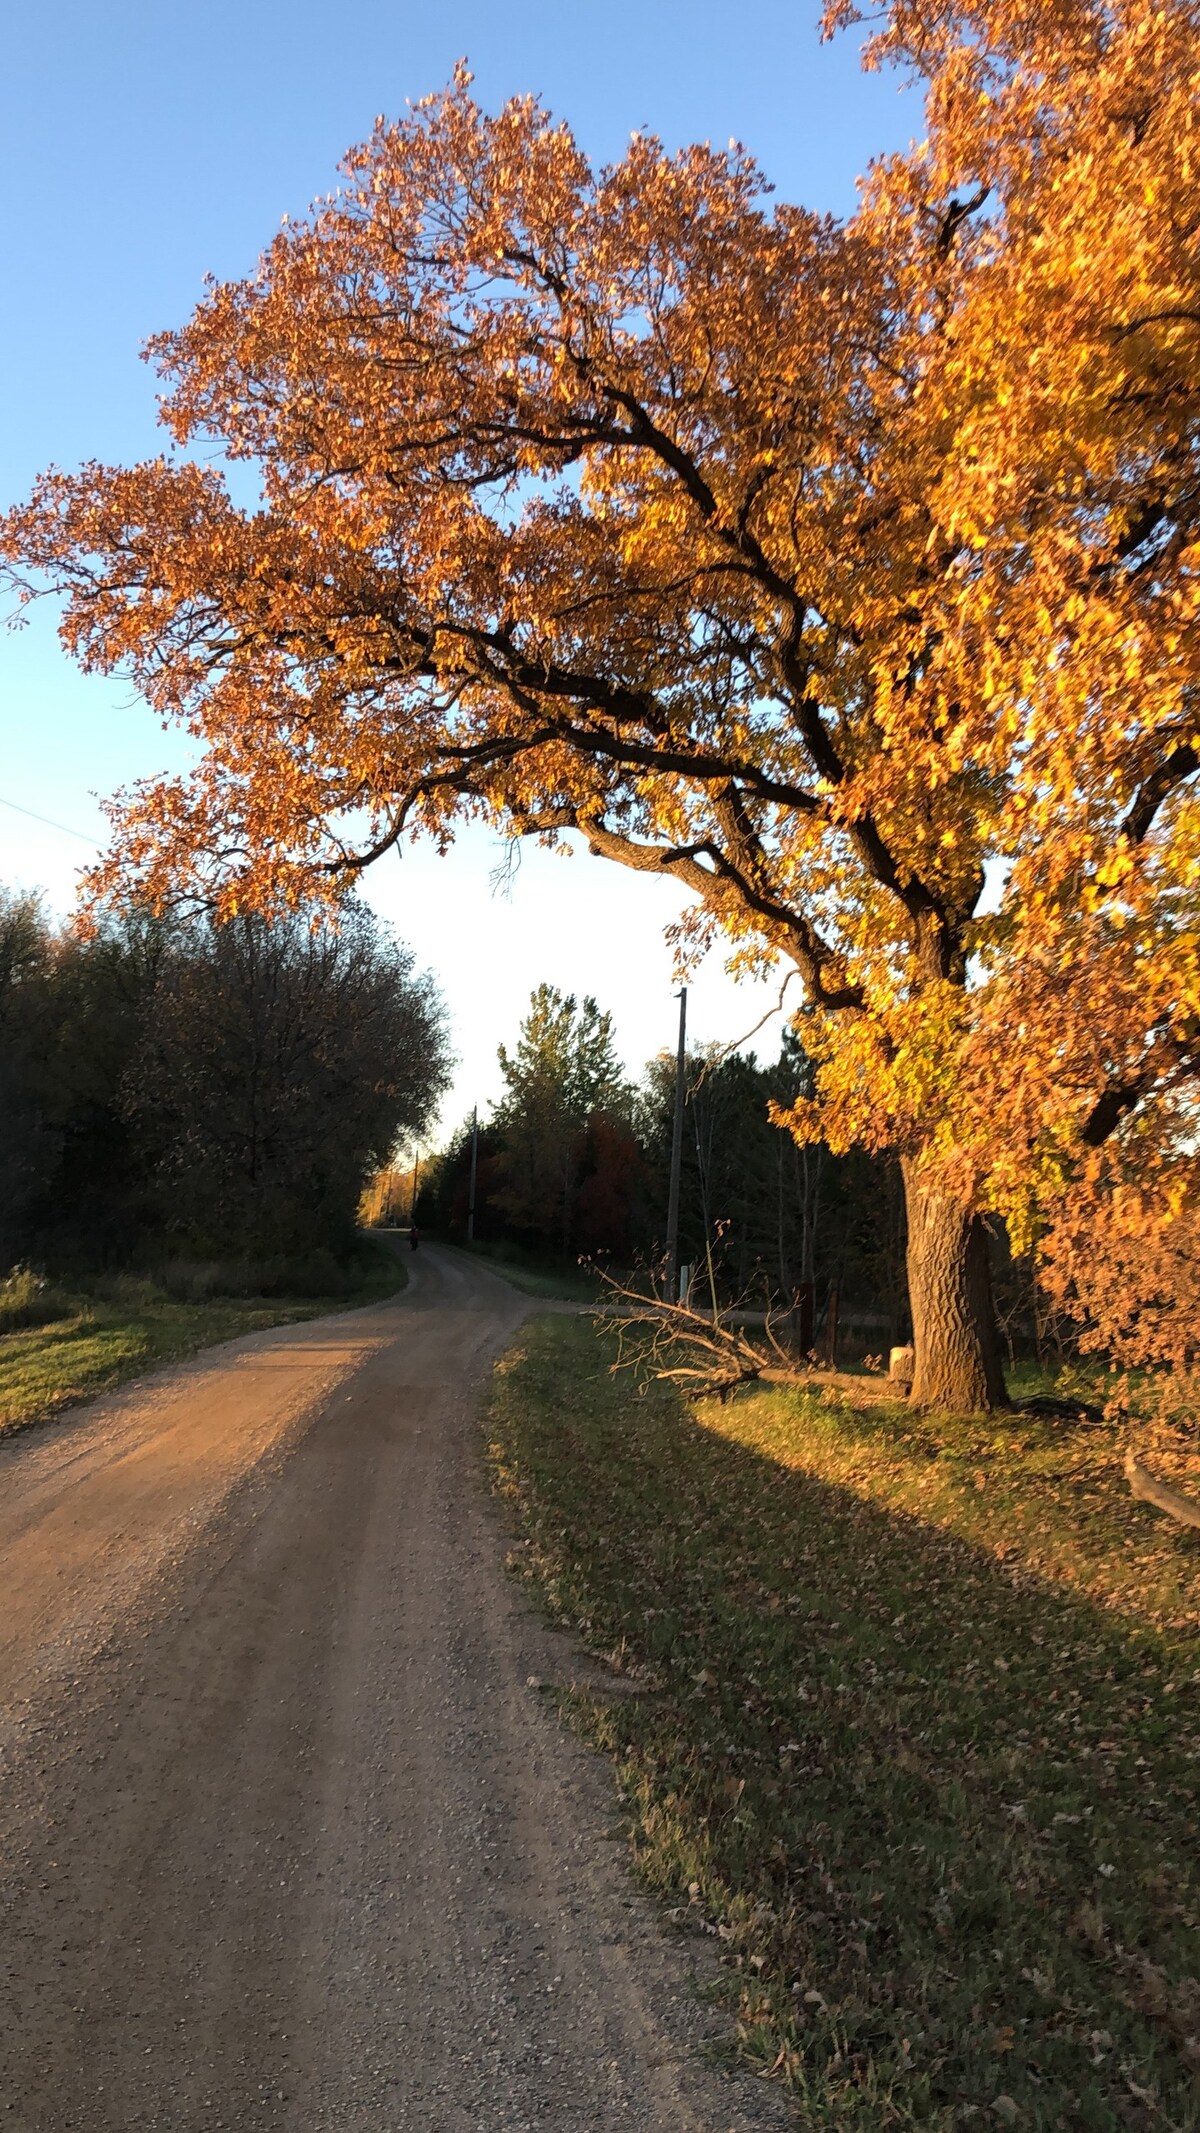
{"x":814,"y":564}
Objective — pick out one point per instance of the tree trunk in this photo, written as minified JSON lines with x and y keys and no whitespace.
{"x":956,"y":1350}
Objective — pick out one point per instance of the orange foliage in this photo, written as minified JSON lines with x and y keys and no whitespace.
{"x":1122,"y":1255}
{"x":814,"y":564}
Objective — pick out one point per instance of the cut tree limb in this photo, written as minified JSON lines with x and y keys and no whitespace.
{"x":1160,"y":1494}
{"x":702,"y":1353}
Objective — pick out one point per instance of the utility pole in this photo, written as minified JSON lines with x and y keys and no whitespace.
{"x":474,"y":1165}
{"x":676,"y":1156}
{"x":416,"y":1181}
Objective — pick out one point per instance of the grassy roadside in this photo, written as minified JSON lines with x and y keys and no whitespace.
{"x":127,"y":1327}
{"x":564,"y":1284}
{"x":922,"y":1745}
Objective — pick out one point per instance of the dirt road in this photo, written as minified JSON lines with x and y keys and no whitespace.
{"x":286,"y":1839}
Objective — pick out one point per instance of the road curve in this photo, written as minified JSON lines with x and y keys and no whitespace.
{"x":286,"y":1839}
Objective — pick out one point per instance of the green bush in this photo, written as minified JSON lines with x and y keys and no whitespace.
{"x":130,"y":1292}
{"x":28,"y":1299}
{"x":189,"y":1280}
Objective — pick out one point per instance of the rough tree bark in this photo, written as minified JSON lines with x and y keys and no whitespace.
{"x":956,"y":1348}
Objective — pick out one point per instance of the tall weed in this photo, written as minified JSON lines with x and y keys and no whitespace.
{"x":28,"y":1299}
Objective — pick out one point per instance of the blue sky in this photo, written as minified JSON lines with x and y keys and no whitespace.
{"x":146,"y":144}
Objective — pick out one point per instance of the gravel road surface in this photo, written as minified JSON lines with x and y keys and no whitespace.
{"x":286,"y":1838}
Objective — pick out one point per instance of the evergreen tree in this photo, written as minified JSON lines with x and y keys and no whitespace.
{"x":562,"y":1071}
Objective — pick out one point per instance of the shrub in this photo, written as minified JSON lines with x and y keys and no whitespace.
{"x":308,"y":1274}
{"x":28,"y":1299}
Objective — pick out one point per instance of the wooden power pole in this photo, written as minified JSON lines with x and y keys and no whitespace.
{"x":474,"y":1166}
{"x":676,"y":1155}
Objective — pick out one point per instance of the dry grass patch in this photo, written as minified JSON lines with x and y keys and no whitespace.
{"x":128,"y":1327}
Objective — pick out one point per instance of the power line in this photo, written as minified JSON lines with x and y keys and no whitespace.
{"x":49,"y":823}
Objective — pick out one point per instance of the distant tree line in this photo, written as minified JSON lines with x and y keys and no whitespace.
{"x":174,"y":1085}
{"x":575,"y":1163}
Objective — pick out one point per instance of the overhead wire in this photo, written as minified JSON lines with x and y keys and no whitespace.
{"x":49,"y":822}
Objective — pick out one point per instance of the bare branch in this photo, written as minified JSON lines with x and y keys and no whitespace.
{"x":702,"y":1353}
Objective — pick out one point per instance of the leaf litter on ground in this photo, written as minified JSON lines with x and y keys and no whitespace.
{"x":921,"y":1755}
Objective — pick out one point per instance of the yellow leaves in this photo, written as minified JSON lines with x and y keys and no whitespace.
{"x":1116,"y":869}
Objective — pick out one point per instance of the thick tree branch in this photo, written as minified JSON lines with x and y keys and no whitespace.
{"x":718,"y":884}
{"x":1148,"y":1489}
{"x":955,"y":214}
{"x":1179,"y":765}
{"x":1115,"y":1104}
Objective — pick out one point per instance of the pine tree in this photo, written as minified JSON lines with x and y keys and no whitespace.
{"x":563,"y":1070}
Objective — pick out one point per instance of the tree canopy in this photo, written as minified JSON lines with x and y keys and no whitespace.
{"x":844,"y":571}
{"x":214,"y":1089}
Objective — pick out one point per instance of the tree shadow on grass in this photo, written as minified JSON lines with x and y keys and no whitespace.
{"x":941,"y":1813}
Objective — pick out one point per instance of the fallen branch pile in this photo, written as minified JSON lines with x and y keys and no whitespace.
{"x":702,"y":1352}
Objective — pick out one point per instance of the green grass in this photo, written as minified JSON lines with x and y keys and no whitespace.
{"x":534,"y":1278}
{"x":104,"y":1341}
{"x":920,"y":1744}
